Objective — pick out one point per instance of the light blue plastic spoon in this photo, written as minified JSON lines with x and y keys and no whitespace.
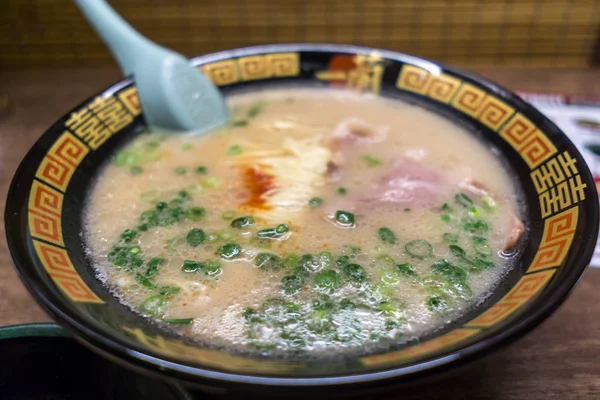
{"x":174,"y":95}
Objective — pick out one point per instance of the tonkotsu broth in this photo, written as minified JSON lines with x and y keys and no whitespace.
{"x":163,"y":224}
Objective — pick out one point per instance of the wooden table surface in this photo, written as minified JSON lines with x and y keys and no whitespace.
{"x":558,"y":360}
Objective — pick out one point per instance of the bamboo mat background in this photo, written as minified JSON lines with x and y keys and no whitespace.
{"x":464,"y":32}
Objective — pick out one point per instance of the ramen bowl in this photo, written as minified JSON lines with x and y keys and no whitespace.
{"x":44,"y":219}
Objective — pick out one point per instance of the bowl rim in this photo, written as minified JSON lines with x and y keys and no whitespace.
{"x":111,"y":348}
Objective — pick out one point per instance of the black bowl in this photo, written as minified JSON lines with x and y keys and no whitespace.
{"x":43,"y":218}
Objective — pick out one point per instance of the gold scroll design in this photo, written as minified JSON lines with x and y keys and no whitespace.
{"x":99,"y":120}
{"x":129,"y":97}
{"x":465,"y":97}
{"x":440,"y":87}
{"x":447,"y":340}
{"x":559,"y":231}
{"x":525,"y":289}
{"x":532,"y":144}
{"x":558,"y":184}
{"x":44,"y":213}
{"x":482,"y":106}
{"x":59,"y":164}
{"x":365,"y":76}
{"x":268,"y":66}
{"x":57,"y":264}
{"x":180,"y":350}
{"x":250,"y":68}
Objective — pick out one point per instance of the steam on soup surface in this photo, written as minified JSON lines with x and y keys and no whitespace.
{"x":318,"y":221}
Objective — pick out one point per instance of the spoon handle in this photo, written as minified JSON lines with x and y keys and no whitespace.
{"x":124,"y":41}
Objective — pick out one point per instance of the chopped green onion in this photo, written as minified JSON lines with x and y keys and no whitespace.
{"x":186,"y":146}
{"x":161,"y":205}
{"x":201,"y":170}
{"x":229,"y":250}
{"x":477,"y":264}
{"x":342,"y":260}
{"x":149,"y":218}
{"x":126,"y":158}
{"x":347,"y":304}
{"x":134,"y":250}
{"x":306,"y":265}
{"x":178,"y":321}
{"x":355,"y":273}
{"x":406,"y":269}
{"x":142,"y":280}
{"x":445,"y":217}
{"x":457,"y":250}
{"x":248,"y":313}
{"x":152,"y":266}
{"x":195,"y":237}
{"x":291,"y":261}
{"x":128,"y":235}
{"x":213,"y":268}
{"x":315,"y":202}
{"x":255,"y":109}
{"x":234,"y":150}
{"x":174,"y":242}
{"x":180,"y":171}
{"x":450,"y":238}
{"x":387,"y":236}
{"x":136,"y":170}
{"x":344,"y":218}
{"x":437,"y":304}
{"x":382,"y":292}
{"x":291,"y":284}
{"x":282,"y":228}
{"x":389,"y":309}
{"x":488,"y":203}
{"x":327,"y":281}
{"x":371,"y":161}
{"x":196,"y":213}
{"x":342,"y":191}
{"x":267,"y":261}
{"x":239,"y":122}
{"x":390,"y":277}
{"x":474,"y":212}
{"x":325,"y":258}
{"x":242,"y":222}
{"x":463,"y":200}
{"x":191,"y":266}
{"x":166,"y":290}
{"x":449,"y":271}
{"x":481,"y":247}
{"x":475,"y":225}
{"x":419,"y":249}
{"x":446,"y":208}
{"x":154,"y":304}
{"x":271,"y":233}
{"x":229,"y":214}
{"x":210,"y":182}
